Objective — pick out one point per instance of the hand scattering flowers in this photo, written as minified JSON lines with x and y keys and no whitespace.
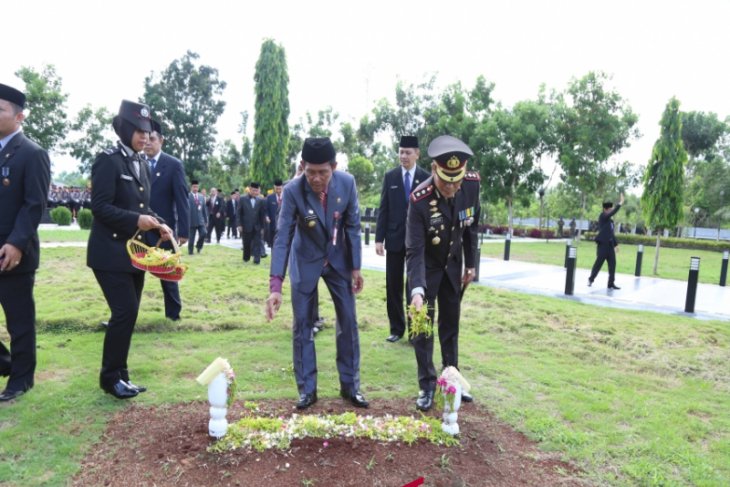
{"x":420,"y":322}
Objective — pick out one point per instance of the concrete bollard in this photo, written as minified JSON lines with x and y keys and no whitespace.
{"x":639,"y":258}
{"x":694,"y":273}
{"x":507,"y":244}
{"x":570,"y":272}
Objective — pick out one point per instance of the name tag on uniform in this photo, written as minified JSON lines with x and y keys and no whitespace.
{"x":394,"y":187}
{"x":127,"y":178}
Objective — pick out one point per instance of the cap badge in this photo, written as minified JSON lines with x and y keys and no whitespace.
{"x":144,"y":112}
{"x":453,"y":162}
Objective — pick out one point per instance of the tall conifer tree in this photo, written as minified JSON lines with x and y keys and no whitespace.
{"x":271,"y":120}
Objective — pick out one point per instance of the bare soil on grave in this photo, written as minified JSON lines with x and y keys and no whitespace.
{"x":160,"y":446}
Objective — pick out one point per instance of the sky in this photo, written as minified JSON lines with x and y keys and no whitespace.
{"x":348,"y":55}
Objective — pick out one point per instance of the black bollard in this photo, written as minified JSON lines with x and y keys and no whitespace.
{"x":367,"y":234}
{"x":639,"y":257}
{"x":694,"y":273}
{"x":570,"y":272}
{"x":723,"y":269}
{"x":507,"y":243}
{"x":568,"y":245}
{"x":476,"y":265}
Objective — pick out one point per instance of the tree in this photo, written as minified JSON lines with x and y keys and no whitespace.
{"x":271,"y":118}
{"x":362,"y":170}
{"x":94,"y":134}
{"x":700,"y":133}
{"x":664,"y":178}
{"x":593,"y":123}
{"x":46,"y":103}
{"x":185,"y":99}
{"x":516,"y":139}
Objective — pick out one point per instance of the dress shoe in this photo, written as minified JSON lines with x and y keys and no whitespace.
{"x":424,"y":401}
{"x":590,"y":282}
{"x":357,"y":399}
{"x":306,"y":400}
{"x":466,"y":397}
{"x":135,"y":386}
{"x":120,"y":390}
{"x":613,"y":286}
{"x":9,"y":395}
{"x":393,"y":338}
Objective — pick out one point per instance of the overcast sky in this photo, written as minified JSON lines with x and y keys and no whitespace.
{"x":348,"y":54}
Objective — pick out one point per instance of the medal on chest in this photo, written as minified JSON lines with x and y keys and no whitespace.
{"x":6,"y":176}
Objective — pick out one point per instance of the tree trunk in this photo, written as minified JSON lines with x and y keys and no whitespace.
{"x":656,"y":252}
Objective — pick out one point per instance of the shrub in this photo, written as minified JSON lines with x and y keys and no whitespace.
{"x":61,"y":215}
{"x":84,"y":219}
{"x":667,"y":242}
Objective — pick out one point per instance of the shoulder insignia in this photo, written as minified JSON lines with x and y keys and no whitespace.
{"x":472,"y":176}
{"x":112,"y":150}
{"x":419,"y":194}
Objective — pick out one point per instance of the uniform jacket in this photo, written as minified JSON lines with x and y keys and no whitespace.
{"x":169,"y":194}
{"x":605,"y":227}
{"x":314,"y":237}
{"x":216,"y":206}
{"x":118,"y":197}
{"x":440,"y":239}
{"x":198,"y":210}
{"x":391,"y":224}
{"x":26,"y":167}
{"x":272,"y":210}
{"x":232,"y":211}
{"x":250,"y":218}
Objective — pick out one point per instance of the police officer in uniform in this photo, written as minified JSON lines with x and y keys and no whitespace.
{"x":120,"y":196}
{"x":25,"y":173}
{"x":441,"y":250}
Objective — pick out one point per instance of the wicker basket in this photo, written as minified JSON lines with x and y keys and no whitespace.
{"x":152,"y":259}
{"x":176,"y":275}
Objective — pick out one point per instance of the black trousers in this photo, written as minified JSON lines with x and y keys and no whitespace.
{"x":394,"y":271}
{"x":252,"y":245}
{"x":605,"y":252}
{"x":173,"y":304}
{"x":123,"y":293}
{"x":201,"y":231}
{"x":448,"y":330}
{"x":16,"y":298}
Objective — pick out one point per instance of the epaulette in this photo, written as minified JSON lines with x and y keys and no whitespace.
{"x":112,"y":150}
{"x":472,"y":176}
{"x":419,"y":194}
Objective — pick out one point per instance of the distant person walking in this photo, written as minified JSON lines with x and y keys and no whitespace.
{"x":606,"y":244}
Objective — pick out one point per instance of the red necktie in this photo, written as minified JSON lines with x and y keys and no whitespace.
{"x":323,"y":200}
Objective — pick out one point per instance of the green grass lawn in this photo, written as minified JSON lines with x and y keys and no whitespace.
{"x":673,"y":263}
{"x":633,"y":398}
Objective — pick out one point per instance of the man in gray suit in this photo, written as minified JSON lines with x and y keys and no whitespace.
{"x":198,"y":218}
{"x":319,"y":222}
{"x":251,"y":213}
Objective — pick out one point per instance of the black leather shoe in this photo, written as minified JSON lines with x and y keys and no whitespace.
{"x":357,"y":399}
{"x":590,"y":282}
{"x":120,"y":390}
{"x":424,"y":401}
{"x":306,"y":400}
{"x":393,"y":338}
{"x":614,"y":286}
{"x":9,"y":395}
{"x":135,"y":386}
{"x":466,"y":397}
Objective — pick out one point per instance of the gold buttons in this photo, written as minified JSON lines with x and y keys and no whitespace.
{"x":141,"y":205}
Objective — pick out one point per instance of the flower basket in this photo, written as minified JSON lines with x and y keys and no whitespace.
{"x":176,"y":275}
{"x":152,"y":259}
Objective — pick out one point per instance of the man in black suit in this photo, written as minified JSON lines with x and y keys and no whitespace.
{"x":25,"y":171}
{"x":120,"y":197}
{"x":231,"y":213}
{"x":390,"y":232}
{"x":251,"y":213}
{"x":216,"y":215}
{"x":198,"y":218}
{"x":606,"y":244}
{"x":273,"y":205}
{"x":169,"y":199}
{"x":441,"y":250}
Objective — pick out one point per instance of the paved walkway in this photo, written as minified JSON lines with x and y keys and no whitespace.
{"x":641,"y":293}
